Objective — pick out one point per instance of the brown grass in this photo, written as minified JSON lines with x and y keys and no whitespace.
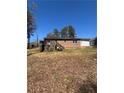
{"x":69,"y":71}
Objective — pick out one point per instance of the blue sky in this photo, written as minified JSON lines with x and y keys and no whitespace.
{"x":51,"y":14}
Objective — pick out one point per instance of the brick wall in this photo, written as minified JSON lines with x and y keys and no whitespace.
{"x":69,"y":44}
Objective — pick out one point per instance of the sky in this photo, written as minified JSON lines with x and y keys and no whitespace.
{"x":51,"y":14}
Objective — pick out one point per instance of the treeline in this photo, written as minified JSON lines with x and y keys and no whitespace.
{"x":66,"y":32}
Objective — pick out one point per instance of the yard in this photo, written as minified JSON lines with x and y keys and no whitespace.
{"x":68,"y":71}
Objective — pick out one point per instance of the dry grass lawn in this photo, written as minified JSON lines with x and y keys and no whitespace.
{"x":68,"y":71}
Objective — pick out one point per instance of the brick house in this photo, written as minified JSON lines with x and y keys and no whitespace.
{"x":70,"y":43}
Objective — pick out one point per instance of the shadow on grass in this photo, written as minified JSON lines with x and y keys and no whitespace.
{"x":32,"y":53}
{"x":88,"y":88}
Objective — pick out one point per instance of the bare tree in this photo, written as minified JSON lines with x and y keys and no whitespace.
{"x":30,"y":26}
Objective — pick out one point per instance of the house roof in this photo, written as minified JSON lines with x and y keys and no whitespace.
{"x":93,"y":39}
{"x":84,"y":39}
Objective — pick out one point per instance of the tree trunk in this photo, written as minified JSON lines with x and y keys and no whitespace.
{"x":37,"y":41}
{"x":28,"y":43}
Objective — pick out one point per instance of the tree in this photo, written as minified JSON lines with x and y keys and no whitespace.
{"x":54,"y":34}
{"x":68,"y":32}
{"x":71,"y":32}
{"x":95,"y":41}
{"x":64,"y":33}
{"x":30,"y":26}
{"x":50,"y":35}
